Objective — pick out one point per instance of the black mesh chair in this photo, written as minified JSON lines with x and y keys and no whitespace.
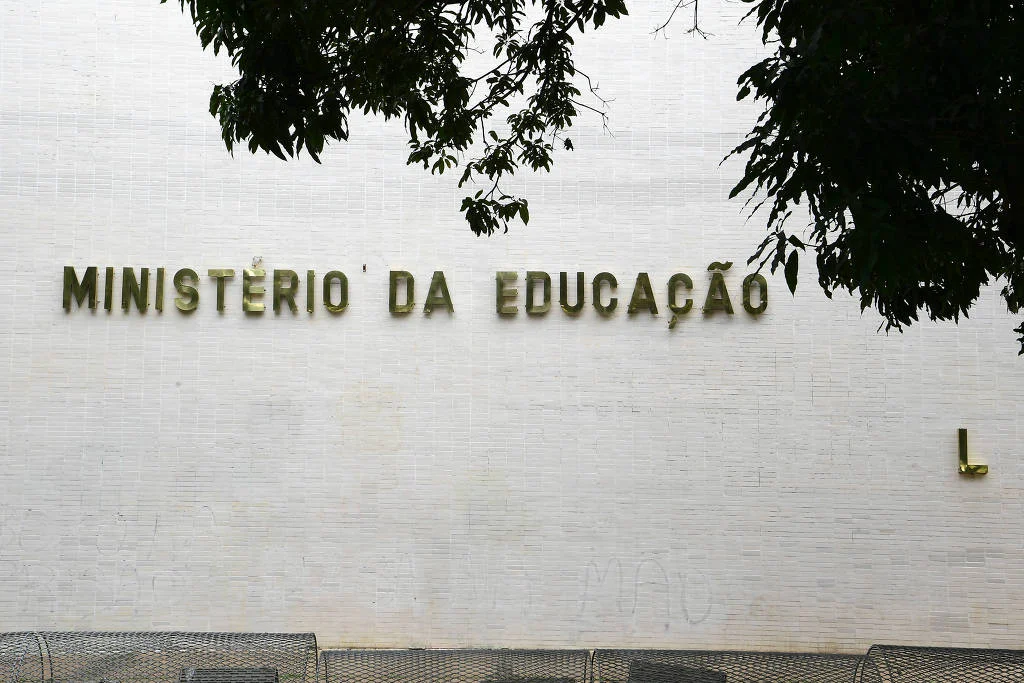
{"x":898,"y":664}
{"x":643,"y":671}
{"x":455,"y":666}
{"x":21,"y":658}
{"x":181,"y":657}
{"x":228,"y":675}
{"x":712,"y":666}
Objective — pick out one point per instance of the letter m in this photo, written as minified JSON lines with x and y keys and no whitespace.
{"x":73,"y":288}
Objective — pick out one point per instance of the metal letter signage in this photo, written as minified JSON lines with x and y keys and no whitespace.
{"x":285,"y":288}
{"x":966,"y":468}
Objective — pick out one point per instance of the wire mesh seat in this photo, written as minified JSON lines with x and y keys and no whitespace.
{"x":229,"y":675}
{"x":706,"y":666}
{"x":900,"y":664}
{"x":21,"y":658}
{"x":70,"y":657}
{"x":181,"y":657}
{"x":455,"y":666}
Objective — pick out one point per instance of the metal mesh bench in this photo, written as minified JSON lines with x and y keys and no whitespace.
{"x":455,"y":666}
{"x":72,"y":657}
{"x":643,"y":671}
{"x":709,"y":666}
{"x":181,"y":657}
{"x":898,"y":664}
{"x":21,"y":658}
{"x":228,"y":675}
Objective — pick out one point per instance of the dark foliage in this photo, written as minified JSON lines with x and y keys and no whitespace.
{"x":899,"y":125}
{"x":896,"y":124}
{"x":305,"y":65}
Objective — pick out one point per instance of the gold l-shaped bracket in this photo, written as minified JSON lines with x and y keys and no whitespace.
{"x":965,"y":467}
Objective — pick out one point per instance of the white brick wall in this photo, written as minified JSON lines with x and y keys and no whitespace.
{"x":782,"y":482}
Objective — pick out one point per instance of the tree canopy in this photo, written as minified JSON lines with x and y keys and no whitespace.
{"x":891,"y":133}
{"x":899,"y":125}
{"x":305,"y":65}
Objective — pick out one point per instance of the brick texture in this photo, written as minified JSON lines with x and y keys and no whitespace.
{"x":786,"y":481}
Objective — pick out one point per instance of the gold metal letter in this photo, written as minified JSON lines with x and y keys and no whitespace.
{"x":131,"y":289}
{"x":599,"y":280}
{"x":190,"y":295}
{"x":762,"y":293}
{"x":410,"y":290}
{"x":108,"y":287}
{"x":285,"y":290}
{"x":250,"y":292}
{"x":437,"y":294}
{"x":673,"y":290}
{"x":533,"y":277}
{"x":79,"y":290}
{"x":718,"y":296}
{"x":964,"y":467}
{"x":159,"y":289}
{"x":563,"y":293}
{"x":505,"y":296}
{"x":643,"y":296}
{"x":220,"y":275}
{"x":310,"y":288}
{"x":329,"y":280}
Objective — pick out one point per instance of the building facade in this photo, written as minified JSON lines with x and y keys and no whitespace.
{"x":784,"y":478}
